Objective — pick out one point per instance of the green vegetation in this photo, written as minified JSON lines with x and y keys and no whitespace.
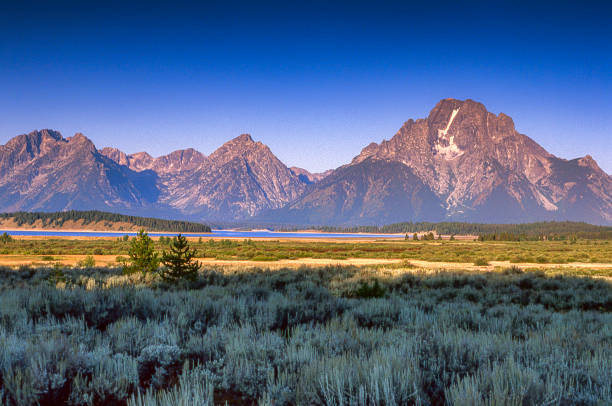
{"x":5,"y":238}
{"x":57,"y":219}
{"x":555,"y":252}
{"x":142,"y":255}
{"x":88,"y":262}
{"x":366,"y":291}
{"x":549,"y":230}
{"x":179,"y":262}
{"x":287,"y":337}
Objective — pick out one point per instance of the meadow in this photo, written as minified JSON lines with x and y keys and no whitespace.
{"x":313,"y":336}
{"x":542,"y":252}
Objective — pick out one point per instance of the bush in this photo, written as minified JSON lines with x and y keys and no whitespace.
{"x":87,"y":262}
{"x":366,"y":291}
{"x":481,"y":262}
{"x":158,"y":365}
{"x":513,"y":270}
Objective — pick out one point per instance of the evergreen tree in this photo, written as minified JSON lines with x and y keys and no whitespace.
{"x":142,"y":255}
{"x":179,"y":262}
{"x":5,"y":238}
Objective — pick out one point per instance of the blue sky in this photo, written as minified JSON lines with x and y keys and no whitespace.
{"x":315,"y":82}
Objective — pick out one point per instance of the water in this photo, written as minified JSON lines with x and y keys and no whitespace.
{"x":215,"y":233}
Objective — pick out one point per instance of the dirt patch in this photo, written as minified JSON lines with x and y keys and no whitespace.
{"x":106,"y":260}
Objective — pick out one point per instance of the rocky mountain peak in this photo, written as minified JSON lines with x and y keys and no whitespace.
{"x":241,"y":146}
{"x":116,"y":155}
{"x":478,"y":167}
{"x":81,"y":142}
{"x":244,"y":138}
{"x":46,"y":133}
{"x":589,"y":162}
{"x":175,"y":162}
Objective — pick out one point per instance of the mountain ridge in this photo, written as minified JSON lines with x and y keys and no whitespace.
{"x":460,"y":163}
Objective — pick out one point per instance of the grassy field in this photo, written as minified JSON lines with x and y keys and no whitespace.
{"x":542,"y":252}
{"x":385,"y":335}
{"x":416,"y":323}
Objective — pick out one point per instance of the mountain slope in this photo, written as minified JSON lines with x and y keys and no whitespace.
{"x":371,"y":191}
{"x":240,"y":179}
{"x":477,"y":165}
{"x":44,"y":171}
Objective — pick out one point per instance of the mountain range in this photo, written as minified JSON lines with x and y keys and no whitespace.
{"x":461,"y":163}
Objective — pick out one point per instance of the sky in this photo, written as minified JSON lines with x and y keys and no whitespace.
{"x":315,"y":81}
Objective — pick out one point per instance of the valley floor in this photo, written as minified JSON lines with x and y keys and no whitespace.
{"x":309,"y":323}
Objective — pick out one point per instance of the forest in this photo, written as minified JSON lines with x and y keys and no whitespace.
{"x":545,"y":230}
{"x":57,"y":219}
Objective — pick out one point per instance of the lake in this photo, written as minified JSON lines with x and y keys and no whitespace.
{"x":214,"y":233}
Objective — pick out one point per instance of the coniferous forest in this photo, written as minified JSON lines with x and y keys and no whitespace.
{"x":57,"y":219}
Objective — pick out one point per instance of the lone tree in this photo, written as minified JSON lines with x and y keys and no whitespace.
{"x":142,"y":255}
{"x":179,"y":262}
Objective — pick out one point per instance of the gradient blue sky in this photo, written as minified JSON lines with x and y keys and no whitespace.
{"x":316,"y":82}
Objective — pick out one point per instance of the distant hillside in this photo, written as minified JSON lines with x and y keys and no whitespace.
{"x":96,"y":220}
{"x":526,"y":231}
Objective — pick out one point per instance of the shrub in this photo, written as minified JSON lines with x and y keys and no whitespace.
{"x":87,"y":262}
{"x":481,"y":262}
{"x":158,"y":364}
{"x":513,"y":270}
{"x":366,"y":291}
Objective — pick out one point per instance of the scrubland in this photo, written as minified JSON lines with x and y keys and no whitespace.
{"x":324,"y":336}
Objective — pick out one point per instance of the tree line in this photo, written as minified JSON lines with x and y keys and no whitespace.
{"x":545,"y":230}
{"x":94,"y":216}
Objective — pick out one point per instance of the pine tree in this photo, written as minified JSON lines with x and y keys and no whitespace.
{"x":5,"y":238}
{"x":179,"y":262}
{"x":142,"y":255}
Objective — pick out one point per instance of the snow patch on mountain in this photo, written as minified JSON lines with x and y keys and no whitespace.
{"x":543,"y":201}
{"x":445,"y":146}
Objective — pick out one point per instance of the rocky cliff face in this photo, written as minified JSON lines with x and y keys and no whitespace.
{"x":460,"y":163}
